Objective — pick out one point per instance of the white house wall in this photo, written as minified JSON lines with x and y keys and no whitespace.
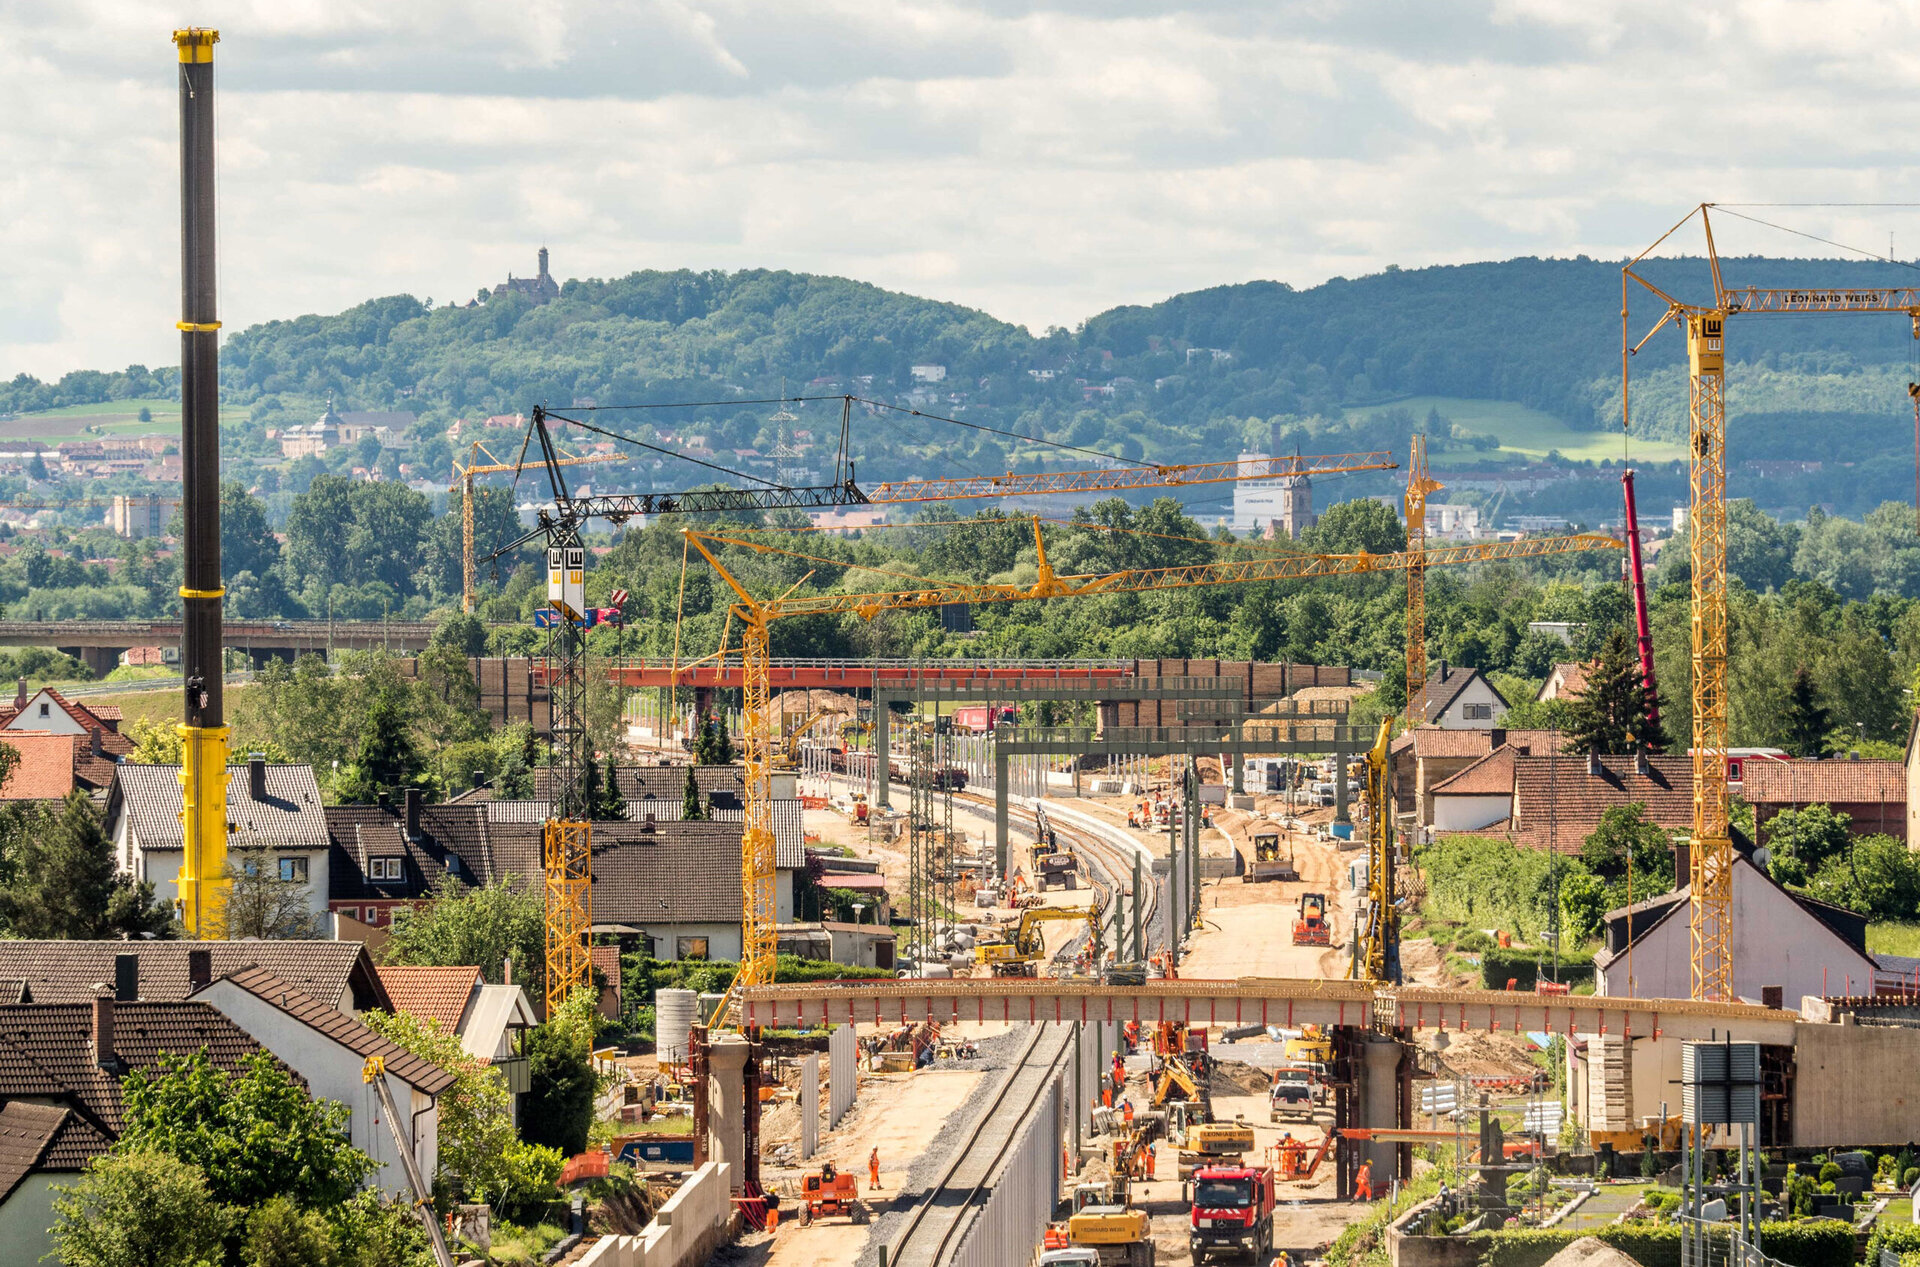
{"x":1470,"y":813}
{"x":1775,"y":942}
{"x":1475,"y":692}
{"x":332,"y":1072}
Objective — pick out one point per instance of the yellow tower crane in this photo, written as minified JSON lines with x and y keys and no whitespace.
{"x":755,"y":615}
{"x":1419,"y":484}
{"x":463,"y":480}
{"x":1710,"y":859}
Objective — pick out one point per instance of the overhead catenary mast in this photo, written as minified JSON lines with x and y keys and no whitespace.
{"x":203,"y":730}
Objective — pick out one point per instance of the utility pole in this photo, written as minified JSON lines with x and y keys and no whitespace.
{"x":203,"y":732}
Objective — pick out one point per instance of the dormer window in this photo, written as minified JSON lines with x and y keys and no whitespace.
{"x":384,"y":868}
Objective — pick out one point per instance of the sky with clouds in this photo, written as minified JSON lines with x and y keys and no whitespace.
{"x":1041,"y":160}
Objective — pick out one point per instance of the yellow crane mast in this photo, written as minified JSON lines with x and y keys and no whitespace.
{"x":755,"y":615}
{"x":463,"y":479}
{"x":1710,"y":858}
{"x":1419,"y":484}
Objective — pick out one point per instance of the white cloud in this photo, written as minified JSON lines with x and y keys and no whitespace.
{"x":1042,"y":160}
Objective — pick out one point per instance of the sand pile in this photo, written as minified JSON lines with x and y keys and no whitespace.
{"x":1590,"y":1251}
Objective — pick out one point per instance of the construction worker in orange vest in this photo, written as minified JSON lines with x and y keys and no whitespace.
{"x":1363,"y":1182}
{"x":1126,"y":1111}
{"x":873,"y":1171}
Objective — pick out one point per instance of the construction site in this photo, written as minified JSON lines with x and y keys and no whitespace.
{"x":982,"y":960}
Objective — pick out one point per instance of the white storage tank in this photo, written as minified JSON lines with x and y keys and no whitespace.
{"x":672,"y":1019}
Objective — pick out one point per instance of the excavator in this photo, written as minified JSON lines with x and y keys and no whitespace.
{"x":1180,"y":1071}
{"x":1021,"y":956}
{"x":788,"y":758}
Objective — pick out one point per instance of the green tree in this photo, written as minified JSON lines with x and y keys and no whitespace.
{"x":722,"y":743}
{"x":608,"y":806}
{"x":255,"y":1135}
{"x":1799,"y":841}
{"x":1583,"y":904}
{"x":704,"y":739}
{"x":559,"y":1109}
{"x":1351,"y":527}
{"x":1807,"y":724}
{"x":1612,"y":714}
{"x":386,"y":759}
{"x":1878,"y":876}
{"x":139,"y":1208}
{"x":691,"y":807}
{"x":464,"y":633}
{"x":1624,"y":837}
{"x":65,"y":885}
{"x":484,"y":926}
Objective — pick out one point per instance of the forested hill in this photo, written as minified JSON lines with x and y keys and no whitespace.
{"x":1197,"y":375}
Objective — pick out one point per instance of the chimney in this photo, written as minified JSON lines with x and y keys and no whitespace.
{"x":20,"y":695}
{"x":1441,"y":667}
{"x":96,"y":742}
{"x":257,"y":776}
{"x":1594,"y":768}
{"x":506,"y":970}
{"x":126,"y":978}
{"x":103,"y":1053}
{"x":1641,"y":765}
{"x":412,"y":800}
{"x":383,"y":799}
{"x":199,"y":969}
{"x":1772,"y":996}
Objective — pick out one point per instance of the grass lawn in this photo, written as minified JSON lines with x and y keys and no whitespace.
{"x":1524,"y":433}
{"x":1892,"y":938}
{"x":152,"y":706}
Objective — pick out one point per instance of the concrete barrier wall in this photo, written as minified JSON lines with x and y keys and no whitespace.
{"x":684,"y":1233}
{"x":1014,"y":1217}
{"x":843,"y":1073}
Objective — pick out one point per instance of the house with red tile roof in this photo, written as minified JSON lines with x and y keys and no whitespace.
{"x":1427,"y":756}
{"x":489,"y":1020}
{"x":61,"y":1066}
{"x":1567,"y":681}
{"x":1557,"y":801}
{"x":1872,"y":793}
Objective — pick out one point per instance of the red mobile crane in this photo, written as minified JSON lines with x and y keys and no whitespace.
{"x":1643,"y":632}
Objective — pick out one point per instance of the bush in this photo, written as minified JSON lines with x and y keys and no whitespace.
{"x":1910,"y":1176}
{"x":1523,"y":967}
{"x":1901,"y":1238}
{"x":279,"y":1235}
{"x":1829,"y":1172}
{"x":139,"y":1209}
{"x":1472,"y":942}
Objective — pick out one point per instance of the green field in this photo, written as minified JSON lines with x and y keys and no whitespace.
{"x":1524,"y":433}
{"x":113,"y":417}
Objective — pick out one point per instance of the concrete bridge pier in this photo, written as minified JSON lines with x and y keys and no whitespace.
{"x":100,"y":661}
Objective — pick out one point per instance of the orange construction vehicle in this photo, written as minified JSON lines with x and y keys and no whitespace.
{"x":1310,"y":929}
{"x":827,"y":1193}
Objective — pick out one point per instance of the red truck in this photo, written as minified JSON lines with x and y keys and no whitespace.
{"x":1232,"y":1213}
{"x":981,"y":719}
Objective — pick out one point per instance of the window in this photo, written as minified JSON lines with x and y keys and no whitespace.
{"x":45,"y":708}
{"x":383,"y":869}
{"x":351,"y":912}
{"x":693,"y":947}
{"x":1479,"y":712}
{"x":294,"y":869}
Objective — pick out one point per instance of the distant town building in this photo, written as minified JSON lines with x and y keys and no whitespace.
{"x":137,"y":517}
{"x":313,"y":439}
{"x":1453,"y":522}
{"x":929,"y":373}
{"x":1273,"y":506}
{"x":541,"y":289}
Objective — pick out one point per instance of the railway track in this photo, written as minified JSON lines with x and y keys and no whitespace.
{"x":935,"y":1228}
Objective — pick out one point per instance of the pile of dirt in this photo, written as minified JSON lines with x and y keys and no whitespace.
{"x":1488,"y":1056}
{"x":1590,"y":1251}
{"x":1236,"y":1077}
{"x":796,"y":705}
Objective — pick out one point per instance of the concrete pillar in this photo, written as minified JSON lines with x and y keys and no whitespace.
{"x":1000,"y":810}
{"x":1340,"y":784}
{"x":1239,"y":760}
{"x":1191,"y":819}
{"x":726,"y":1104}
{"x":1377,"y":1100}
{"x":882,"y":750}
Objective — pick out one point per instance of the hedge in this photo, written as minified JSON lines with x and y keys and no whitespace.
{"x":1499,"y":966}
{"x":1901,"y":1238}
{"x":1804,"y":1243}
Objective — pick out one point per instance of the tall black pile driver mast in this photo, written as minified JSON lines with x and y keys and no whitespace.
{"x":203,"y":728}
